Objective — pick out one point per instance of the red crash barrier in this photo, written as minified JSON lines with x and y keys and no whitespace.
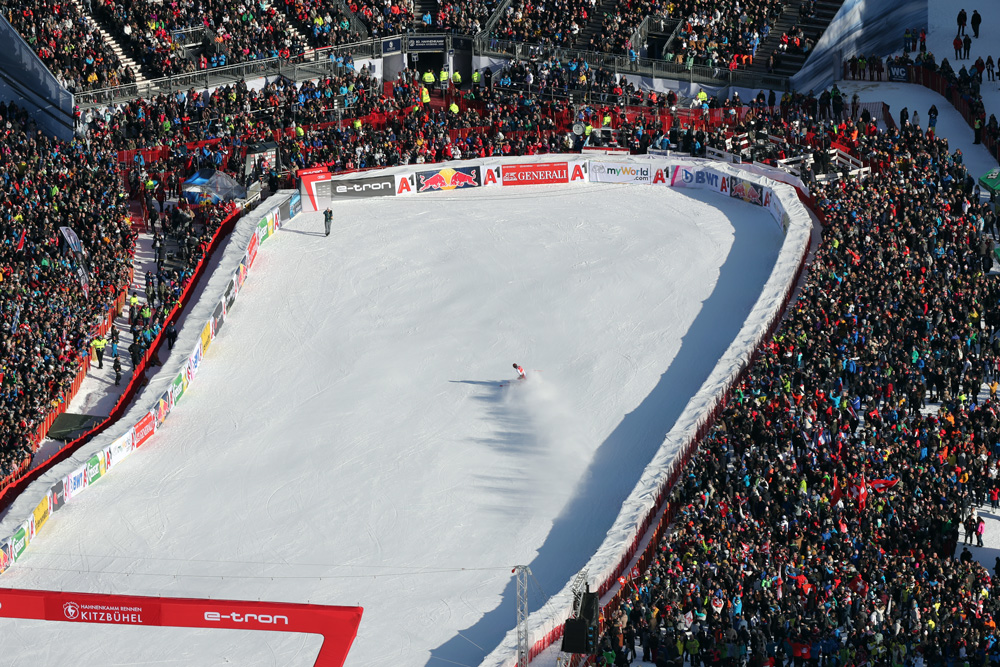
{"x":337,"y":625}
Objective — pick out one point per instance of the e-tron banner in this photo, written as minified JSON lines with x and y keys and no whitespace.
{"x":356,"y":188}
{"x":337,"y":625}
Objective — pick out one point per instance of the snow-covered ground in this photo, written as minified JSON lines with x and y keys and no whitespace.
{"x":353,"y":437}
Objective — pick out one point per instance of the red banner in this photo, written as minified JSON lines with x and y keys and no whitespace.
{"x":337,"y":625}
{"x":543,"y":173}
{"x":144,"y":429}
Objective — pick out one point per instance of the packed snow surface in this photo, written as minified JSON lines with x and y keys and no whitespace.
{"x":356,"y":435}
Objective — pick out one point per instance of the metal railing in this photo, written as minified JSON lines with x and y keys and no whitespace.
{"x":492,"y":21}
{"x":620,"y":64}
{"x":650,"y":24}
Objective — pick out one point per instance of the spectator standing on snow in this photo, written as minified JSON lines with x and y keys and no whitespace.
{"x":990,"y":68}
{"x":976,"y":21}
{"x":966,"y":44}
{"x":957,"y":43}
{"x":962,"y":17}
{"x":932,"y":115}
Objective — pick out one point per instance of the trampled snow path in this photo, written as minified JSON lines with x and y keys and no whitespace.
{"x":347,"y":440}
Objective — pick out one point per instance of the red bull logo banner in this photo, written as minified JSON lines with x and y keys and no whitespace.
{"x":5,"y":559}
{"x":448,"y":179}
{"x":745,"y":190}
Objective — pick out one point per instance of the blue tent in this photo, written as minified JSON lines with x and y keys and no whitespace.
{"x":217,"y":185}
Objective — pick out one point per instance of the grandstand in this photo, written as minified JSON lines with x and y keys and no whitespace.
{"x":817,"y":514}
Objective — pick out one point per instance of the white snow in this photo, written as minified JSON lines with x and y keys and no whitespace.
{"x":347,"y":440}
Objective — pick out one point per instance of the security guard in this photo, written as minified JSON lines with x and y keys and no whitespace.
{"x":476,"y":79}
{"x":453,"y":108}
{"x":425,"y":95}
{"x":443,"y":78}
{"x":702,"y":97}
{"x":98,"y":346}
{"x":428,"y":79}
{"x":456,"y":78}
{"x":587,"y":131}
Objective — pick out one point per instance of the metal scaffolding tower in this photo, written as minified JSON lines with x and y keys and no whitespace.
{"x":522,"y":572}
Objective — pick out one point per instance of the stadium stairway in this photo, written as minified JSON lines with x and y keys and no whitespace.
{"x":813,"y":28}
{"x":784,"y":23}
{"x":593,"y":26}
{"x":421,"y":7}
{"x":127,"y":61}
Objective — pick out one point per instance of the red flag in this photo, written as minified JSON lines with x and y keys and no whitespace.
{"x":20,"y":241}
{"x":881,"y":485}
{"x":838,"y":492}
{"x":862,"y":492}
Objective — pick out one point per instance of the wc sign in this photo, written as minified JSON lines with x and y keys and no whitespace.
{"x":899,"y":73}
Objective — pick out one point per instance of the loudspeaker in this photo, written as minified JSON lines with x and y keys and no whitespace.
{"x":574,"y":638}
{"x":590,"y":609}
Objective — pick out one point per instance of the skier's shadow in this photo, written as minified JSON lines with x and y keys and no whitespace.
{"x":481,"y":383}
{"x":620,"y":460}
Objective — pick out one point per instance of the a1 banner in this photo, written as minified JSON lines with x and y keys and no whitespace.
{"x":116,"y":452}
{"x":57,"y":496}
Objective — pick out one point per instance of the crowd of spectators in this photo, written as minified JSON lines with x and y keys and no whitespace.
{"x":554,"y":24}
{"x":47,"y":317}
{"x":384,"y":17}
{"x":323,"y":24}
{"x":68,"y":42}
{"x":817,"y":523}
{"x":726,"y":34}
{"x":232,"y":31}
{"x":461,"y":17}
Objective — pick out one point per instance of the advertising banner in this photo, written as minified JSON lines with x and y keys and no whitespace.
{"x":541,"y":173}
{"x":192,"y":365}
{"x":206,"y":336}
{"x":230,"y":296}
{"x":57,"y":497}
{"x":620,"y":172}
{"x":78,"y":611}
{"x":294,"y":206}
{"x":356,"y":188}
{"x":218,"y":316}
{"x":95,"y":468}
{"x":18,"y":543}
{"x":448,"y":179}
{"x":178,"y":387}
{"x":163,"y":407}
{"x":491,"y":175}
{"x":747,"y":191}
{"x":251,"y":251}
{"x":774,"y":206}
{"x":240,"y":275}
{"x":119,"y":449}
{"x":699,"y":177}
{"x":29,"y":527}
{"x":41,"y":513}
{"x":899,"y":73}
{"x":144,"y":429}
{"x":5,"y":558}
{"x":75,"y":482}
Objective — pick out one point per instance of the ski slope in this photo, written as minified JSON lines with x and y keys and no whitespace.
{"x":348,"y":440}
